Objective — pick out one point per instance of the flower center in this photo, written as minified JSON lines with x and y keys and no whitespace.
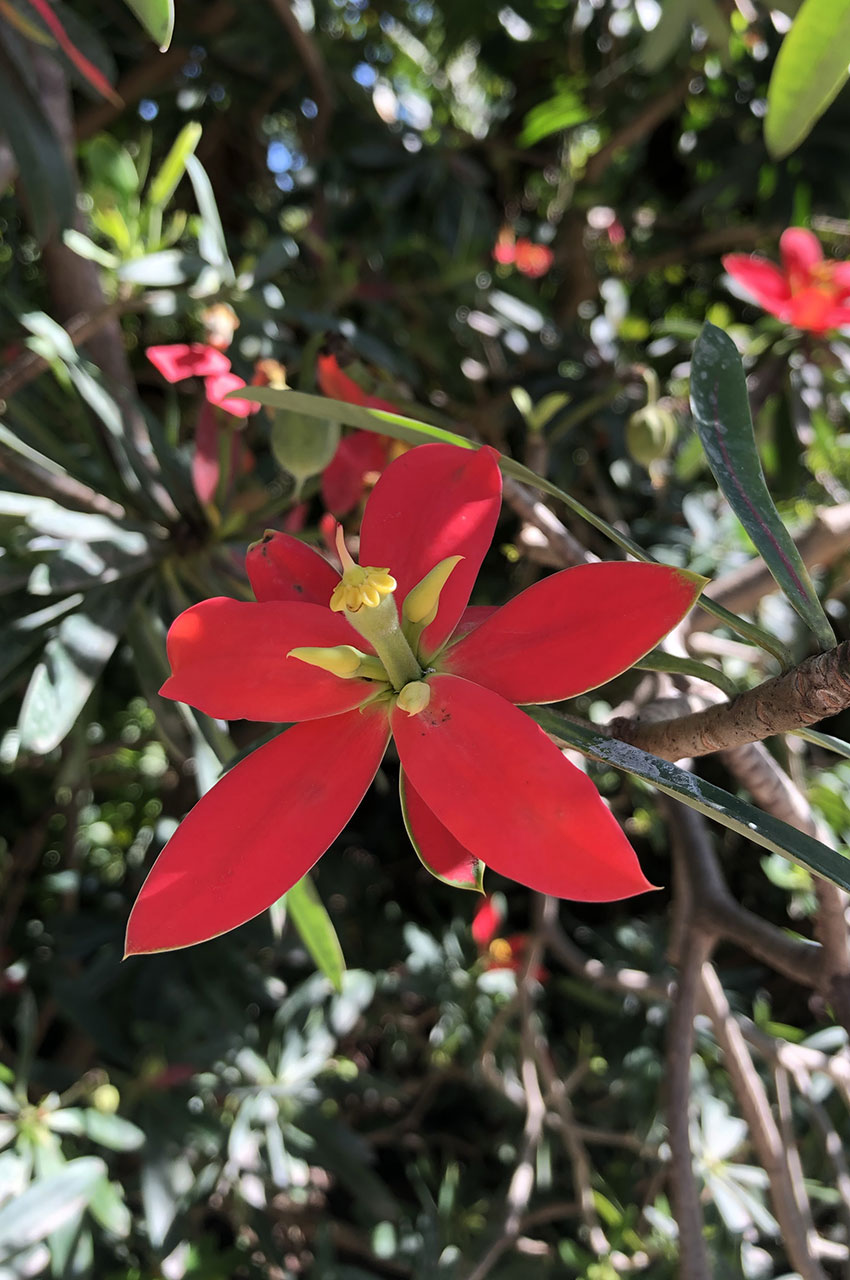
{"x":361,"y":587}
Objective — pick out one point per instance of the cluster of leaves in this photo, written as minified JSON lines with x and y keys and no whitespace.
{"x":229,"y":1112}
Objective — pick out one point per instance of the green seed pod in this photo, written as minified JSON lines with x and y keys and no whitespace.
{"x":650,"y":434}
{"x":303,"y":446}
{"x":106,"y":1098}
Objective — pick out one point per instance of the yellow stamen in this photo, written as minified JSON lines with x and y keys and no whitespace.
{"x":421,"y":602}
{"x":500,"y":951}
{"x":359,"y":585}
{"x":414,"y":697}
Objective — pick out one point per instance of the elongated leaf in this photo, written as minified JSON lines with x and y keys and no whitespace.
{"x":38,"y":152}
{"x":72,"y":662}
{"x":164,"y":184}
{"x":705,"y":797}
{"x":157,"y":18}
{"x":415,"y":432}
{"x":313,"y":923}
{"x":810,"y":69}
{"x":211,"y":241}
{"x":47,"y":1204}
{"x":562,"y":111}
{"x":658,"y":660}
{"x":90,"y":73}
{"x":721,"y":412}
{"x":825,"y":740}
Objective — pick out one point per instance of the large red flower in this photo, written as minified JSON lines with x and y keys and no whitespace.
{"x":808,"y":291}
{"x":480,"y":782}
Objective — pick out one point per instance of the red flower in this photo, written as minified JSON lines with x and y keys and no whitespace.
{"x":179,"y":361}
{"x":361,"y":456}
{"x":808,"y":291}
{"x":497,"y":952}
{"x":532,"y":260}
{"x":480,"y":782}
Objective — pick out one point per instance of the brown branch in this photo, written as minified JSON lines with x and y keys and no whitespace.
{"x":640,"y":124}
{"x":818,"y":687}
{"x":790,"y":1203}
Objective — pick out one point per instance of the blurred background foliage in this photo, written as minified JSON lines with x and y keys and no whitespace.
{"x":503,"y":219}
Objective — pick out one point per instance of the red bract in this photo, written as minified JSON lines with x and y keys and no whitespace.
{"x":532,"y":260}
{"x":808,"y":291}
{"x":480,"y":782}
{"x":360,"y":455}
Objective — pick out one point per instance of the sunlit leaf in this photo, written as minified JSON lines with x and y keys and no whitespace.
{"x":308,"y":914}
{"x":722,"y":417}
{"x":47,"y":1204}
{"x":810,"y":70}
{"x":157,"y":17}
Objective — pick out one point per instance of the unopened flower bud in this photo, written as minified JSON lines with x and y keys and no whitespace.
{"x":420,"y":605}
{"x":303,"y":446}
{"x":650,"y":434}
{"x":414,"y":697}
{"x":341,"y":660}
{"x":106,"y":1099}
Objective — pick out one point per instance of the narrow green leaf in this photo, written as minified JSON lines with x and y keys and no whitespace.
{"x":562,"y":111}
{"x":211,"y":242}
{"x":709,"y":800}
{"x":48,"y":1203}
{"x":70,"y":666}
{"x":313,"y":923}
{"x":157,"y":18}
{"x":721,"y":412}
{"x":42,"y":163}
{"x":415,"y":432}
{"x":658,"y":660}
{"x":810,"y":69}
{"x":164,"y":184}
{"x":825,"y":740}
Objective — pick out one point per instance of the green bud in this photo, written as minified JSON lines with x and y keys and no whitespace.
{"x":303,"y":446}
{"x":650,"y":434}
{"x":106,"y":1098}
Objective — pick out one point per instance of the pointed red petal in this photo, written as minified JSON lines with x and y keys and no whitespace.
{"x":258,"y":831}
{"x":811,"y":308}
{"x":764,"y":280}
{"x":336,"y":384}
{"x":95,"y":77}
{"x":507,"y":794}
{"x":486,"y":922}
{"x":281,"y":567}
{"x":435,"y":846}
{"x":801,"y":250}
{"x":228,"y":659}
{"x":219,"y":385}
{"x":574,"y":630}
{"x":435,"y":501}
{"x":343,"y":479}
{"x":205,"y":461}
{"x":181,"y":360}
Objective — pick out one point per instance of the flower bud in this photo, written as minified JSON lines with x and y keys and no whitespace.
{"x":106,"y":1099}
{"x":420,"y":604}
{"x":303,"y":446}
{"x":414,"y":697}
{"x":650,"y":434}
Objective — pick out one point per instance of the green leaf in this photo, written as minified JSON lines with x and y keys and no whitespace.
{"x":164,"y":184}
{"x":211,"y":242}
{"x":70,"y":666}
{"x":415,"y":432}
{"x":41,"y":160}
{"x":48,"y":1203}
{"x":162,"y":270}
{"x":825,"y":740}
{"x":662,"y":42}
{"x":313,"y":923}
{"x":106,"y":1130}
{"x":562,"y":111}
{"x":810,"y":69}
{"x":658,"y":660}
{"x":722,"y":416}
{"x":709,"y":800}
{"x":157,"y":18}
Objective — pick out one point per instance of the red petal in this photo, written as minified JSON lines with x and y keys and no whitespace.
{"x":533,"y":260}
{"x":258,"y":831}
{"x":811,"y":308}
{"x":219,"y":385}
{"x":435,"y":501}
{"x":336,"y":384}
{"x":229,"y":660}
{"x":764,"y":280}
{"x":801,"y":250}
{"x":283,"y":568}
{"x":486,"y":922}
{"x":574,"y":630}
{"x":205,"y":460}
{"x":179,"y":360}
{"x":436,"y":848}
{"x":472,"y":617}
{"x":508,"y":795}
{"x":343,"y":477}
{"x":86,"y":68}
{"x":840,"y":275}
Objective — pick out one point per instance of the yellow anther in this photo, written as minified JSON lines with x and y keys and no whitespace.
{"x":341,"y":660}
{"x":362,"y":587}
{"x":414,"y":697}
{"x":420,"y":605}
{"x":501,"y":951}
